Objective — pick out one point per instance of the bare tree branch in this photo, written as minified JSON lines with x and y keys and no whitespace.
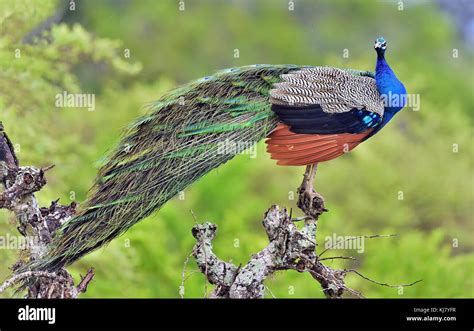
{"x":37,"y":224}
{"x":28,"y":274}
{"x":382,"y":284}
{"x":289,"y":249}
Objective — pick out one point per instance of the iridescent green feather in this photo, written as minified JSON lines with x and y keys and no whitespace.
{"x":165,"y":151}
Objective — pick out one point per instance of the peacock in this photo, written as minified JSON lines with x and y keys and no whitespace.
{"x":307,"y":115}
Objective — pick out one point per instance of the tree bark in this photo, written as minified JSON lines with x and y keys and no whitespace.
{"x":36,"y":224}
{"x":289,"y":249}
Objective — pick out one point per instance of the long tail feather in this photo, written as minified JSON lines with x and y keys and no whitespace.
{"x":165,"y":151}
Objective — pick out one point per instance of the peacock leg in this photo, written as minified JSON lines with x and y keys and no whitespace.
{"x":310,"y":201}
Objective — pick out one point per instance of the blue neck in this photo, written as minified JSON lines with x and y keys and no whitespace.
{"x":389,"y":87}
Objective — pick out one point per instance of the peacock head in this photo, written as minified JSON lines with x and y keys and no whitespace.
{"x":380,"y":45}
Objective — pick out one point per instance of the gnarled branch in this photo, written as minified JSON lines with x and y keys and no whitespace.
{"x":35,"y":223}
{"x":289,"y":249}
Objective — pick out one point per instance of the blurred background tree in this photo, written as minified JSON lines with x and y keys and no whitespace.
{"x":414,"y":180}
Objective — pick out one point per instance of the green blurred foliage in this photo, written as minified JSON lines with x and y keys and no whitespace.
{"x":413,"y":155}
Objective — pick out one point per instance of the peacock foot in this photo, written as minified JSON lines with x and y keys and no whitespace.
{"x":311,"y":202}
